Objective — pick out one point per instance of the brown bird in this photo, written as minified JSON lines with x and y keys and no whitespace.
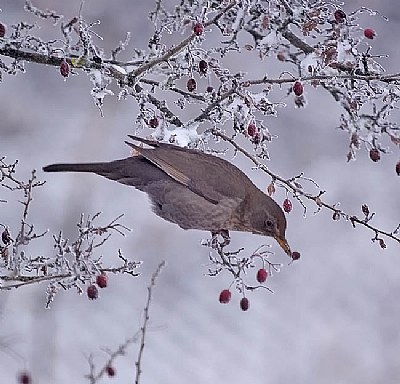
{"x":193,"y":189}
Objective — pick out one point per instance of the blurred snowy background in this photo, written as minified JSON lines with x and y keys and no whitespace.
{"x":335,"y":314}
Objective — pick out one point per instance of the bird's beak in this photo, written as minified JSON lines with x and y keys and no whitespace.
{"x":284,"y":244}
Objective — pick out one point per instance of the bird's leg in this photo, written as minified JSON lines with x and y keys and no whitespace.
{"x":214,"y":240}
{"x":219,"y":246}
{"x":226,"y":238}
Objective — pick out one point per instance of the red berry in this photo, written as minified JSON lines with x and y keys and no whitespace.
{"x":6,"y":237}
{"x":244,"y":303}
{"x":257,"y":138}
{"x":369,"y":33}
{"x":252,"y":129}
{"x":2,"y":30}
{"x":110,"y":370}
{"x":153,"y":122}
{"x":365,"y":209}
{"x":374,"y":154}
{"x":262,"y":275}
{"x":225,"y":296}
{"x":101,"y":280}
{"x":198,"y":29}
{"x":210,"y":89}
{"x":92,"y":292}
{"x":203,"y":66}
{"x":298,"y":88}
{"x":398,"y":168}
{"x":97,"y":59}
{"x":281,"y":56}
{"x":191,"y":85}
{"x":24,"y":378}
{"x":64,"y":68}
{"x":271,"y":189}
{"x":340,"y":16}
{"x":287,"y":205}
{"x":295,"y":255}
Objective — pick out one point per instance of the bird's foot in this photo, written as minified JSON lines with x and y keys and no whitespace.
{"x":215,"y":244}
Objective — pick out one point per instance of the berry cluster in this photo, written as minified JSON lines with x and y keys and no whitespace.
{"x":244,"y":303}
{"x":92,"y":291}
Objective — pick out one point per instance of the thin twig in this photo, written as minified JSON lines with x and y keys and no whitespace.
{"x":39,"y":58}
{"x":143,"y":329}
{"x":316,"y":198}
{"x":176,"y":49}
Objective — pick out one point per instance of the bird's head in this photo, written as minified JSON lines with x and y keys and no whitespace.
{"x":270,"y":221}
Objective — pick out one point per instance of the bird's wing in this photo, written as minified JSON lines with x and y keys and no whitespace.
{"x":169,"y":169}
{"x":209,"y":176}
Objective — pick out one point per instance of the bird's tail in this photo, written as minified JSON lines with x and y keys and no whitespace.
{"x":79,"y":167}
{"x":134,"y":170}
{"x":117,"y":170}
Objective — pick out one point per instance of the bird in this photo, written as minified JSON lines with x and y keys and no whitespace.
{"x":192,"y":189}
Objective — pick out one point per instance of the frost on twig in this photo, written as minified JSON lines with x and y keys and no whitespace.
{"x":108,"y":368}
{"x":295,"y":186}
{"x":314,"y":44}
{"x":74,"y":263}
{"x":248,"y":272}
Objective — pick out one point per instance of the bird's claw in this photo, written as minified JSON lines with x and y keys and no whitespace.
{"x":215,"y":244}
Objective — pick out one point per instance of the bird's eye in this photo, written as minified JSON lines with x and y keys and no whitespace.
{"x":268,"y":223}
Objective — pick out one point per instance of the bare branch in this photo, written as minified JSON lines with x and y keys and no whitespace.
{"x":143,"y":329}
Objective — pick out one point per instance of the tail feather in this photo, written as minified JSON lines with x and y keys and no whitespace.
{"x":135,"y":171}
{"x":87,"y":167}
